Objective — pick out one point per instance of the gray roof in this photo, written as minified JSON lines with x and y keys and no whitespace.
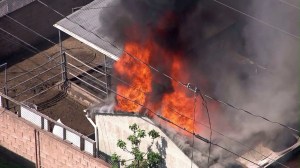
{"x":85,"y":26}
{"x":8,"y":6}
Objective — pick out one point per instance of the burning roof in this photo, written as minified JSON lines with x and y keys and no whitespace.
{"x":190,"y":42}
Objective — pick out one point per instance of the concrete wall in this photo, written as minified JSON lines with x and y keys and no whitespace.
{"x":41,"y":147}
{"x":113,"y":127}
{"x":37,"y":17}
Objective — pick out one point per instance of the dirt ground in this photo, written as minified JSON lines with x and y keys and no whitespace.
{"x":54,"y":103}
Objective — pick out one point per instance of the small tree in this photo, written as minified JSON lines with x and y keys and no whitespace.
{"x":140,"y":159}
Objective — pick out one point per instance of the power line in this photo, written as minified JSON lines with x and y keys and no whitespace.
{"x":169,"y":121}
{"x":250,"y":113}
{"x":33,"y":31}
{"x":211,"y":129}
{"x":165,"y":119}
{"x":289,"y":4}
{"x":34,"y":48}
{"x":100,"y":7}
{"x":18,"y":43}
{"x":47,"y":62}
{"x":204,"y":103}
{"x":167,"y":76}
{"x":182,"y":128}
{"x":153,"y":67}
{"x":50,"y":41}
{"x":258,"y":20}
{"x":194,"y":118}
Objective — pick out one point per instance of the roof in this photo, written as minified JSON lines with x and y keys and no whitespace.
{"x":85,"y":25}
{"x":8,"y":6}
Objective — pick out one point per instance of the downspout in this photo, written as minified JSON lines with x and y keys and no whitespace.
{"x":96,"y":132}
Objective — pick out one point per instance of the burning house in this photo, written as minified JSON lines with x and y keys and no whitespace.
{"x":162,"y":47}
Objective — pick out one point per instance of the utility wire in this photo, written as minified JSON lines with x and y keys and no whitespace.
{"x":155,"y":68}
{"x":129,"y":85}
{"x":250,"y":113}
{"x":171,"y":78}
{"x":204,"y":103}
{"x":169,"y":121}
{"x":100,"y":7}
{"x":289,"y":4}
{"x":18,"y":43}
{"x":194,"y":119}
{"x":211,"y":129}
{"x":47,"y":62}
{"x":35,"y":32}
{"x":182,"y":128}
{"x":37,"y":50}
{"x":50,"y":41}
{"x":258,"y":20}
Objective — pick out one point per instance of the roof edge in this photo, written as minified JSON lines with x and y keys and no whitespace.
{"x":112,"y":56}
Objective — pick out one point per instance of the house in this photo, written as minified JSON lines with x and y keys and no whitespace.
{"x":85,"y":26}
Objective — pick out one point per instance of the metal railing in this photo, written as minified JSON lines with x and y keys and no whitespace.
{"x":91,"y":77}
{"x":88,"y":76}
{"x":58,"y":129}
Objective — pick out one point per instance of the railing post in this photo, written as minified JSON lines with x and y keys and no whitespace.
{"x":63,"y":60}
{"x":106,"y":78}
{"x":81,"y":143}
{"x":48,"y":126}
{"x":94,"y":149}
{"x":19,"y":113}
{"x":64,"y":133}
{"x":42,"y":122}
{"x":5,"y":83}
{"x":64,"y":68}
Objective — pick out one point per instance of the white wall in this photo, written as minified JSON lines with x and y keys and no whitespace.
{"x":113,"y":127}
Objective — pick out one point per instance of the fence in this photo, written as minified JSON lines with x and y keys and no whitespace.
{"x":92,"y":78}
{"x":60,"y":130}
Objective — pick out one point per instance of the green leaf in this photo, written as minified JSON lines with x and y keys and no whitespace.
{"x":134,"y":140}
{"x":153,"y":134}
{"x":153,"y":158}
{"x":134,"y":127}
{"x":121,"y":144}
{"x":139,"y":159}
{"x":141,"y":133}
{"x":115,"y":160}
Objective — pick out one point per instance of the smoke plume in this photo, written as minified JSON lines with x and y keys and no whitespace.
{"x":229,"y":56}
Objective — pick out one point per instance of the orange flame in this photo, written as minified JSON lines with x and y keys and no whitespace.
{"x":177,"y":106}
{"x":138,"y":74}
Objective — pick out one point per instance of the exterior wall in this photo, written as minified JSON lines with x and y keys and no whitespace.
{"x":37,"y":17}
{"x":114,"y":127}
{"x":41,"y":147}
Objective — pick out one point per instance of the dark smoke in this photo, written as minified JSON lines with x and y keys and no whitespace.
{"x":178,"y":26}
{"x":229,"y":56}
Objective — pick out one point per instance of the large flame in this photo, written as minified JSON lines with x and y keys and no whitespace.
{"x":138,"y":75}
{"x":177,"y":106}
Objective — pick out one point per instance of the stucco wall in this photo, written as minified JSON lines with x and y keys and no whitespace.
{"x":114,"y":127}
